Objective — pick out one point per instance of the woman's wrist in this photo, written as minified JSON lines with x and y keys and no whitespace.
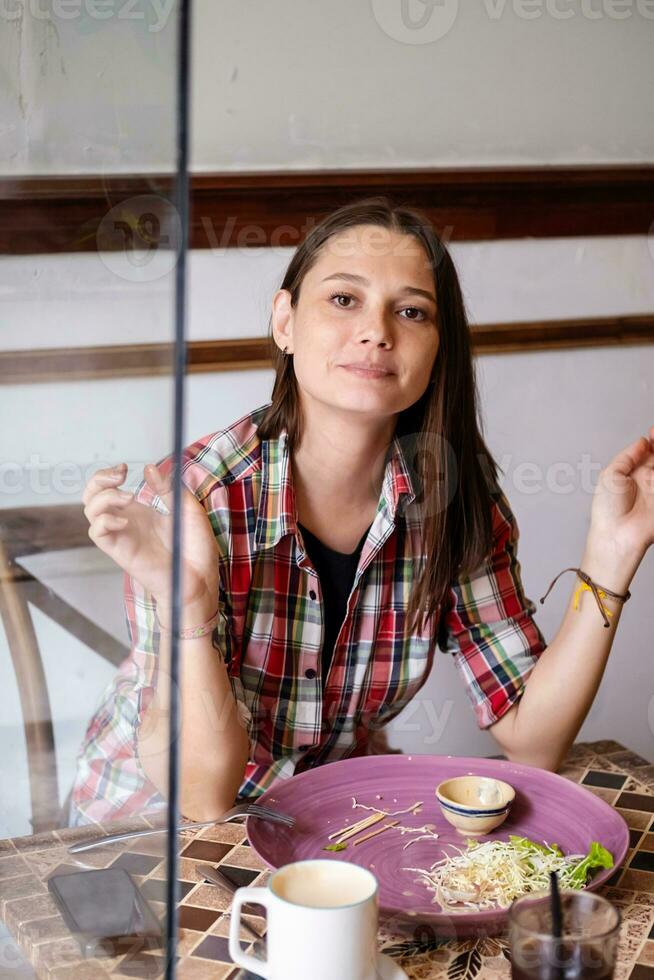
{"x":192,"y":614}
{"x":608,"y":567}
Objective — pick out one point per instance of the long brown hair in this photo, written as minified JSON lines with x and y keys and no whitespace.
{"x":440,"y":433}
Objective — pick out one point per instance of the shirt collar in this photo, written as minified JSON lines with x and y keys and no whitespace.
{"x":277,"y":510}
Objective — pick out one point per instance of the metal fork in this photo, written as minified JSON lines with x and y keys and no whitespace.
{"x":209,"y":873}
{"x":240,"y":810}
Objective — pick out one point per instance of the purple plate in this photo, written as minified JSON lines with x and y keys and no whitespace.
{"x":547,"y":808}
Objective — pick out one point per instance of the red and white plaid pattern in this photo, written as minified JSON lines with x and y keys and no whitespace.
{"x":271,"y":627}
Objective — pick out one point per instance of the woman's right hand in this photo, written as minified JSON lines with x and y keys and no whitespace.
{"x":140,"y":539}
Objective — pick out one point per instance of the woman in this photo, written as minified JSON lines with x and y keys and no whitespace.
{"x":332,"y":536}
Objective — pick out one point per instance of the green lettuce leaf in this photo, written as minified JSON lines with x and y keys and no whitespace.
{"x":597,"y":857}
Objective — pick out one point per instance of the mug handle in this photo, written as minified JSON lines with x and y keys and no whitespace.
{"x":241,"y":897}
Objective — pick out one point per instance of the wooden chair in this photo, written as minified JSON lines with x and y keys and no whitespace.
{"x":27,"y":531}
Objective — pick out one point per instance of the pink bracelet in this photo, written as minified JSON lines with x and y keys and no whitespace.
{"x":193,"y":632}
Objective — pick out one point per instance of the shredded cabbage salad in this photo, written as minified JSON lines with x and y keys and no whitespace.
{"x":493,"y":873}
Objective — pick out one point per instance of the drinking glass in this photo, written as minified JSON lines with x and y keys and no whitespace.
{"x":589,"y":937}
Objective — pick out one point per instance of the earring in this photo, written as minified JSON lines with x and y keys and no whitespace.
{"x":285,"y":351}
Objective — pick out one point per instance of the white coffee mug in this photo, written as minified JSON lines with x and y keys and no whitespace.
{"x":322,"y":922}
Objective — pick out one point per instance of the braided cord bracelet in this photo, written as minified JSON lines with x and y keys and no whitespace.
{"x":598,"y":591}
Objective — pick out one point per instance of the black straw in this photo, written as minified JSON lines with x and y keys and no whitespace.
{"x":557,"y":924}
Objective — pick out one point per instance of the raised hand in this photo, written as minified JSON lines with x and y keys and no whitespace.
{"x":139,"y":538}
{"x":622,"y":515}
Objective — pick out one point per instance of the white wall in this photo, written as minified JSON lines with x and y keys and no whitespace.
{"x":296,"y":84}
{"x":84,"y":94}
{"x":350,"y":84}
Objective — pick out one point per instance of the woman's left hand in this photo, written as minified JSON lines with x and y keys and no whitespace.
{"x":622,"y":514}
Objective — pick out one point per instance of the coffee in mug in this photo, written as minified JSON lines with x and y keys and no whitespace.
{"x":322,"y":922}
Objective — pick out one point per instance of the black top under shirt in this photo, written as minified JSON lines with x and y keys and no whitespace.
{"x":336,"y":572}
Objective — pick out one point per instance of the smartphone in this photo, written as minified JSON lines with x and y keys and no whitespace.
{"x":106,"y":912}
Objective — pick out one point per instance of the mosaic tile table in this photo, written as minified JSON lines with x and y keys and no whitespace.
{"x":606,"y":768}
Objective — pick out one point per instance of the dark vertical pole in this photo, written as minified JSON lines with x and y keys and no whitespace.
{"x":182,"y":196}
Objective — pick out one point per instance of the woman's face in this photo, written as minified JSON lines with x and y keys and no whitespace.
{"x":369,"y":300}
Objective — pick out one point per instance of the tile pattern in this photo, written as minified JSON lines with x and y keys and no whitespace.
{"x":622,"y":778}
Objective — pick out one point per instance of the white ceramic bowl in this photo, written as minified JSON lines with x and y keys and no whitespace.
{"x":475,"y":805}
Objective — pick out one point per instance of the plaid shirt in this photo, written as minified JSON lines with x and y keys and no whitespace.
{"x":271,"y":627}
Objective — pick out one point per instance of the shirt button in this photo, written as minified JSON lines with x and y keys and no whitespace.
{"x":310,"y":673}
{"x":312,"y":594}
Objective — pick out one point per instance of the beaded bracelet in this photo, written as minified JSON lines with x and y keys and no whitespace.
{"x":598,"y":591}
{"x":193,"y":632}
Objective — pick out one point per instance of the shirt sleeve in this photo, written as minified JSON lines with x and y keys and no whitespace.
{"x":489,"y":625}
